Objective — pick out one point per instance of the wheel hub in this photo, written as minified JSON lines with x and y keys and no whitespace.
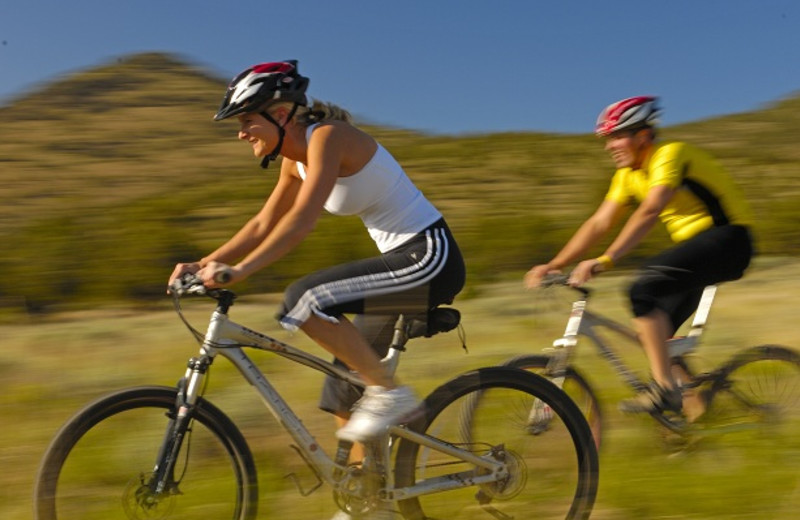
{"x":516,"y":477}
{"x":142,"y":503}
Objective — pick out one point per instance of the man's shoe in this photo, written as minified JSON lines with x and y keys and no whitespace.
{"x":654,"y":399}
{"x":378,"y":409}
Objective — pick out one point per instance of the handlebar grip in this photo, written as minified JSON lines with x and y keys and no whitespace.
{"x":554,"y":279}
{"x":551,"y":280}
{"x":223,"y":277}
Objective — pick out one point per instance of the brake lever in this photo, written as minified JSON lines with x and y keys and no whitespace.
{"x":188,"y":283}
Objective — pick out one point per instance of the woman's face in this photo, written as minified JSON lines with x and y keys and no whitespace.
{"x":260,"y":133}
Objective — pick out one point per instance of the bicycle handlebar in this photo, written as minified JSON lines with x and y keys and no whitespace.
{"x":554,"y":279}
{"x":223,"y":277}
{"x":187,"y":284}
{"x":550,"y":280}
{"x":191,"y":285}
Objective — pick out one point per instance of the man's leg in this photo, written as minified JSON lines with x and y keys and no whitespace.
{"x":654,"y":328}
{"x":654,"y":331}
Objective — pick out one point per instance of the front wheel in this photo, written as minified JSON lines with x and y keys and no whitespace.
{"x":99,"y":465}
{"x":572,"y":383}
{"x":551,"y":476}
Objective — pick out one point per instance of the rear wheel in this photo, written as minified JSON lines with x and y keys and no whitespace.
{"x":552,"y":474}
{"x":760,"y":385}
{"x":99,"y":465}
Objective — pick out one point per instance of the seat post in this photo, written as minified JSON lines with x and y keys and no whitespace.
{"x":399,"y":340}
{"x":703,"y":309}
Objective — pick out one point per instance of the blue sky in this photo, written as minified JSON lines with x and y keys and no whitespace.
{"x":441,"y":66}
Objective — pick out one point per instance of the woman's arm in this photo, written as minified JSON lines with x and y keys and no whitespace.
{"x":325,"y":154}
{"x":258,"y":228}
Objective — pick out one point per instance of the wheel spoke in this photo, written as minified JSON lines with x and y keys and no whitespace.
{"x":100,"y":465}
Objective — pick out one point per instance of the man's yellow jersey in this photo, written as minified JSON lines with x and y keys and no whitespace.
{"x":706,"y":194}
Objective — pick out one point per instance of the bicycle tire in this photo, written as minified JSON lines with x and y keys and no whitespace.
{"x":575,"y":385}
{"x":558,"y":480}
{"x":106,"y":475}
{"x":758,"y":385}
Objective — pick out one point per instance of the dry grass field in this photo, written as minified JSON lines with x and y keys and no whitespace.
{"x":49,"y":367}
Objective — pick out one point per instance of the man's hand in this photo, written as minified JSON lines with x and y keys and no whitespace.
{"x":533,"y":278}
{"x":585,"y":271}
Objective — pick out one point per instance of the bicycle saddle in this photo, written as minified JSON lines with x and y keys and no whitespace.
{"x":436,"y":320}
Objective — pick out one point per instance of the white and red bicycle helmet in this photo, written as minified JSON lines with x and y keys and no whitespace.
{"x":255,"y":87}
{"x":628,"y":114}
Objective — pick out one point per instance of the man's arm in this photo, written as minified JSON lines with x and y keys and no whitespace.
{"x":640,"y":222}
{"x":590,"y":232}
{"x":635,"y":229}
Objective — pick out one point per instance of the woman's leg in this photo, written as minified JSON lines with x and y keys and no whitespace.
{"x":345,"y":342}
{"x":318,"y":302}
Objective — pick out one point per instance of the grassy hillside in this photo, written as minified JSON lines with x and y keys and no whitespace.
{"x":112,"y":175}
{"x":51,"y":367}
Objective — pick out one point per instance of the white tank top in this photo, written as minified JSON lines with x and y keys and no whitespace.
{"x":391,"y":207}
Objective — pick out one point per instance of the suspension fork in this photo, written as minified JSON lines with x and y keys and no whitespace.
{"x":541,"y":413}
{"x":180,"y":419}
{"x":188,"y":394}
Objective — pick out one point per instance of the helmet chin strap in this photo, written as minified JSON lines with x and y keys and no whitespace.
{"x":281,"y":134}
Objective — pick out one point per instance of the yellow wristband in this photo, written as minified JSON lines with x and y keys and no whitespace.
{"x":605,"y":261}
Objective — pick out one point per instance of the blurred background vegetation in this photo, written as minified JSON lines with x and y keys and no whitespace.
{"x":114,"y":174}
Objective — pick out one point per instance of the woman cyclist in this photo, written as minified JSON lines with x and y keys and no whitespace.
{"x":704,"y":212}
{"x":330,"y":164}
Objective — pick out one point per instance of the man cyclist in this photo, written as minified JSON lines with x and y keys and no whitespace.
{"x":704,"y":213}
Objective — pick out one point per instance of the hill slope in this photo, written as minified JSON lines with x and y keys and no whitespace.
{"x":113,"y":174}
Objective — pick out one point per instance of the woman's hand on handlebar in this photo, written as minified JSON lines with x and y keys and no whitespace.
{"x":213,"y":274}
{"x":217,"y":274}
{"x":182,"y":269}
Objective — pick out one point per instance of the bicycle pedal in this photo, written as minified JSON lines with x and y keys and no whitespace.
{"x":482,"y":498}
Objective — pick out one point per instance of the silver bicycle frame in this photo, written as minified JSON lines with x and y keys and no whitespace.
{"x":226,"y":338}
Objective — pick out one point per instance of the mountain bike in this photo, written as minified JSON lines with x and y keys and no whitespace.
{"x":156,"y":452}
{"x":758,"y":387}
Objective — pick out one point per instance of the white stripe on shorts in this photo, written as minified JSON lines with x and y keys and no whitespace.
{"x":358,"y":287}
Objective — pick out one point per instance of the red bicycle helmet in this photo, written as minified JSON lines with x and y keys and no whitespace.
{"x":256,"y":86}
{"x":628,"y":114}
